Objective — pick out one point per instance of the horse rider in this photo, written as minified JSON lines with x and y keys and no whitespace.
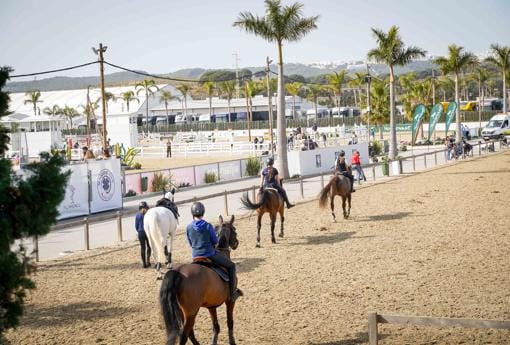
{"x":202,"y":238}
{"x":145,"y":248}
{"x":167,"y":201}
{"x":341,"y":167}
{"x":269,"y":179}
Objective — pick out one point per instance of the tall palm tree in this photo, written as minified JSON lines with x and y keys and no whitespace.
{"x":281,"y":23}
{"x":336,"y":81}
{"x":166,"y":97}
{"x":55,"y":110}
{"x":128,"y":97}
{"x":228,"y":88}
{"x":70,"y":113}
{"x":185,"y":90}
{"x":108,"y":96}
{"x":34,"y":98}
{"x":416,"y":92}
{"x":149,"y":87}
{"x":501,"y":59}
{"x":314,"y":91}
{"x":379,"y":104}
{"x":392,"y":52}
{"x":294,"y":89}
{"x":208,"y":88}
{"x":482,"y":75}
{"x":446,"y":85}
{"x":355,"y":83}
{"x":454,"y":63}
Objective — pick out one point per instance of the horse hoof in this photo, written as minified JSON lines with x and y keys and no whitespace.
{"x":257,"y":245}
{"x":169,"y":266}
{"x":273,"y":241}
{"x":280,"y":234}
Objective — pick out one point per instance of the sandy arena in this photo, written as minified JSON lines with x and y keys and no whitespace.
{"x":431,"y":244}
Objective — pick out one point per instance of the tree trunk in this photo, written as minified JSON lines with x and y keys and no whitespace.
{"x":167,"y":121}
{"x":480,"y":103}
{"x":393,"y":129}
{"x":458,"y":135}
{"x":483,"y":102}
{"x":315,"y":100}
{"x":127,"y":105}
{"x":210,"y":105}
{"x":355,"y":100}
{"x":294,"y":107}
{"x":381,"y":136}
{"x":504,"y":92}
{"x":228,"y":105}
{"x":281,"y":147}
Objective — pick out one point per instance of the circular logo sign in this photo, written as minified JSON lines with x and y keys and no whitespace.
{"x":105,"y":184}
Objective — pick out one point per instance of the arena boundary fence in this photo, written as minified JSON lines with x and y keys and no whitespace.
{"x":486,"y":147}
{"x":375,"y":318}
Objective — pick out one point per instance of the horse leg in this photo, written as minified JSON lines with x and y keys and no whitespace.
{"x":194,"y":340}
{"x":230,"y":322}
{"x":273,"y":223}
{"x":259,"y":225}
{"x":332,"y":202}
{"x":215,"y":325}
{"x":187,"y":329}
{"x":282,"y":219}
{"x":349,"y":201}
{"x":343,"y":206}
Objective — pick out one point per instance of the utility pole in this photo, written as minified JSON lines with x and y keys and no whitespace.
{"x":433,"y":88}
{"x":236,"y":64}
{"x":368,"y":79}
{"x":270,"y":106}
{"x":100,"y":52}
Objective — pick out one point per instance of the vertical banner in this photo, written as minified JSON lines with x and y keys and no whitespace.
{"x":76,"y":200}
{"x":419,"y":113}
{"x":106,"y":185}
{"x":450,"y":113}
{"x":435,"y":115}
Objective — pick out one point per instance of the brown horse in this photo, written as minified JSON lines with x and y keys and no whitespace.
{"x":187,"y":288}
{"x":269,"y":200}
{"x":337,"y":185}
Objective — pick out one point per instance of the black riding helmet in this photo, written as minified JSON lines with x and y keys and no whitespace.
{"x":270,"y":161}
{"x":197,"y":209}
{"x":342,"y":153}
{"x":143,"y":204}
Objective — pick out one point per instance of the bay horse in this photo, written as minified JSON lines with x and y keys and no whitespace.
{"x":268,"y":200}
{"x":337,"y":185}
{"x":188,"y":287}
{"x":160,"y":225}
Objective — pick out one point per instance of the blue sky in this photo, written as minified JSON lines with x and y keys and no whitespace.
{"x":163,"y":36}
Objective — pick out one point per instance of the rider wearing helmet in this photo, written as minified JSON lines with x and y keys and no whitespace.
{"x":341,"y":167}
{"x":145,"y":249}
{"x":203,"y":239}
{"x":269,"y":178}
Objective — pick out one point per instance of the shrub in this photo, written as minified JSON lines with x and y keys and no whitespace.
{"x":210,"y":177}
{"x":161,"y":182}
{"x":377,"y":148}
{"x":252,"y":166}
{"x":130,"y":193}
{"x":137,"y":165}
{"x":183,"y":185}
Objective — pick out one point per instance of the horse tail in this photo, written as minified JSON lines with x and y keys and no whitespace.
{"x":245,"y":200}
{"x":325,"y":192}
{"x":172,"y":314}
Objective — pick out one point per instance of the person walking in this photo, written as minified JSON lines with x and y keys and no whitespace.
{"x":145,"y":249}
{"x":202,"y":238}
{"x":356,"y":165}
{"x":168,"y":148}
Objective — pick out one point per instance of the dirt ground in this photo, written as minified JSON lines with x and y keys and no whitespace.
{"x":431,"y":244}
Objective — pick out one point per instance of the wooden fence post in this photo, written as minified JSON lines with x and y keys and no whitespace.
{"x":226,"y":203}
{"x":301,"y":188}
{"x":479,"y":148}
{"x":322,"y":181}
{"x":373,"y":172}
{"x":435,"y":157}
{"x":36,"y":248}
{"x":372,"y":328}
{"x":425,"y":160}
{"x":414,"y":163}
{"x":86,"y":232}
{"x":119,"y":226}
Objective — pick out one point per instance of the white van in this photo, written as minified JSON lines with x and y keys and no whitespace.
{"x":321,"y":112}
{"x":497,"y":126}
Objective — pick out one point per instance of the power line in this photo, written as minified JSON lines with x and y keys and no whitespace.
{"x":53,"y":71}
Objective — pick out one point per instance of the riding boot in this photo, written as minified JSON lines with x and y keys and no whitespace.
{"x":286,"y":199}
{"x":234,"y":294}
{"x":352,"y":185}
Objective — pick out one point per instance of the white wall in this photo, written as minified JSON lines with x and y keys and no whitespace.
{"x":121,"y":131}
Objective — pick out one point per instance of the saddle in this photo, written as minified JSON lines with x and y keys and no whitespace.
{"x":206,"y":262}
{"x":169,"y":205}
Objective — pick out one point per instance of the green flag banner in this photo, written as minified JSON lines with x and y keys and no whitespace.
{"x":435,"y":114}
{"x":419,"y":113}
{"x":450,"y":113}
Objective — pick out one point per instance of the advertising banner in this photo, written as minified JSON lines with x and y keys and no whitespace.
{"x":435,"y":115}
{"x":200,"y":171}
{"x":133,"y":183}
{"x":106,"y":185}
{"x":76,"y":200}
{"x":419,"y":113}
{"x":183,"y":176}
{"x":230,"y":170}
{"x":450,"y":113}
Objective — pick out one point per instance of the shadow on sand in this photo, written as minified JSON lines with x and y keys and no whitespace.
{"x":384,"y":217}
{"x":247,"y":264}
{"x":360,"y":338}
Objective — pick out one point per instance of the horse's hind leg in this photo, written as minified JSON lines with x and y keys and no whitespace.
{"x":343,"y":207}
{"x":332,"y":204}
{"x":349,"y":209}
{"x":187,"y":330}
{"x":259,"y":225}
{"x":282,"y":219}
{"x":230,"y":322}
{"x":273,"y":223}
{"x":194,"y":340}
{"x":215,"y":324}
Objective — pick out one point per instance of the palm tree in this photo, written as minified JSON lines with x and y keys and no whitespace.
{"x":482,"y":75}
{"x":392,"y":52}
{"x":70,"y":113}
{"x":128,"y":97}
{"x":208,"y":88}
{"x":34,"y":98}
{"x":379,"y":104}
{"x":165,"y":97}
{"x":108,"y":96}
{"x":281,"y":23}
{"x":314,"y":91}
{"x":446,"y":85}
{"x":149,"y":87}
{"x":228,"y":88}
{"x":416,"y":92}
{"x":294,"y":89}
{"x":501,"y":59}
{"x":55,"y":110}
{"x":454,"y":63}
{"x":184,"y":89}
{"x":336,"y":81}
{"x":355,"y":83}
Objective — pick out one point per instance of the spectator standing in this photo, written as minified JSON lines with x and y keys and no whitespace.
{"x":324,"y":139}
{"x":169,"y":148}
{"x":356,"y":165}
{"x":145,"y":249}
{"x":354,"y":138}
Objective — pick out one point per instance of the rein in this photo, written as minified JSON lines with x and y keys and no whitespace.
{"x":221,"y":237}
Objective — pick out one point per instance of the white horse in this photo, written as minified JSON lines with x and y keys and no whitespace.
{"x":160,"y":225}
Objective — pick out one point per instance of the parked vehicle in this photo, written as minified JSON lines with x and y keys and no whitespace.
{"x":321,"y":112}
{"x":497,"y":127}
{"x":468,"y":106}
{"x":345,"y":112}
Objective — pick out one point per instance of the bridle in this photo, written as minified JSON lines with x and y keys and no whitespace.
{"x":224,"y":240}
